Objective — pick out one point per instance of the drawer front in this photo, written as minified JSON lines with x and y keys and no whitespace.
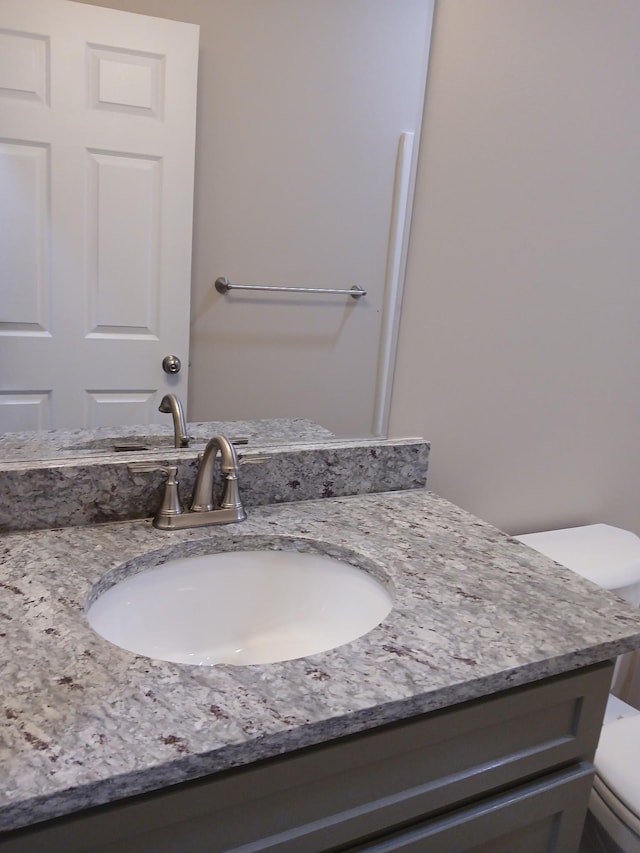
{"x":541,"y":817}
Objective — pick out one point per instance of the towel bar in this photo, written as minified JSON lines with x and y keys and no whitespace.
{"x":223,"y":286}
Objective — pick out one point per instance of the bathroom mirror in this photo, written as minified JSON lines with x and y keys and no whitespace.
{"x":307,"y":138}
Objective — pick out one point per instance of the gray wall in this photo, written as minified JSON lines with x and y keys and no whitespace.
{"x":520,"y":337}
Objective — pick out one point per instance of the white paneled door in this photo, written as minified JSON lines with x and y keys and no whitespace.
{"x":97,"y":141}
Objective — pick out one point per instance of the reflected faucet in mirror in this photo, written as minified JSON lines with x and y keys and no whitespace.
{"x":203,"y":511}
{"x":170,"y":404}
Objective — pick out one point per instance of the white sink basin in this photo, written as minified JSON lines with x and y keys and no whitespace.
{"x":240,"y":607}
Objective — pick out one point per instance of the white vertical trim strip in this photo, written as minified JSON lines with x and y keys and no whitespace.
{"x":394,"y":283}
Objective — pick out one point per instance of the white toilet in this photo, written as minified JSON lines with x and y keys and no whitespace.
{"x":609,"y":557}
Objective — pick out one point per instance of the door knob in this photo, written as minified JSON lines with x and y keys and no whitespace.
{"x":171,"y":364}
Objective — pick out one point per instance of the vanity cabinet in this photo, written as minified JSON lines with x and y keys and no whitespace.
{"x":508,"y":772}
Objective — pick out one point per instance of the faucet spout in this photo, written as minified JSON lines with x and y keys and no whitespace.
{"x":170,"y":404}
{"x":202,"y":500}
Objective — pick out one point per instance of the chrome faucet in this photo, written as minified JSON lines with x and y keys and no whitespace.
{"x":170,"y":404}
{"x":203,"y":511}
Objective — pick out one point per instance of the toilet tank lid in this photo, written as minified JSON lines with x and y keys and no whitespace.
{"x":606,"y":555}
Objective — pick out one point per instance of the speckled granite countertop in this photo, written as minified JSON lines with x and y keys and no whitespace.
{"x":113,"y":487}
{"x":82,"y":443}
{"x":83,"y":722}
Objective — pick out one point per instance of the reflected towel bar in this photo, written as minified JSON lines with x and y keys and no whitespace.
{"x":223,"y":286}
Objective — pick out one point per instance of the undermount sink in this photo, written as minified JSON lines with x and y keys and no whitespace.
{"x":240,"y":607}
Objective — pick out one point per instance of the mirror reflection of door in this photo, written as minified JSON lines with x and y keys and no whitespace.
{"x":97,"y":141}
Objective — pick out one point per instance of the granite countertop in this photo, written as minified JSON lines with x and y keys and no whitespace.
{"x":84,"y":722}
{"x":123,"y":486}
{"x":25,"y":447}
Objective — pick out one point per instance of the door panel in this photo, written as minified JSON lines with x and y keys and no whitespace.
{"x":126,"y":407}
{"x":24,"y":174}
{"x":123,"y":244}
{"x":97,"y":141}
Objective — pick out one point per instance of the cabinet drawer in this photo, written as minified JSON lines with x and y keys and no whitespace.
{"x":539,"y":817}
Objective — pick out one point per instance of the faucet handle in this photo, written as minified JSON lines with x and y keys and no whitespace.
{"x":150,"y":467}
{"x":170,"y":506}
{"x":146,"y":467}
